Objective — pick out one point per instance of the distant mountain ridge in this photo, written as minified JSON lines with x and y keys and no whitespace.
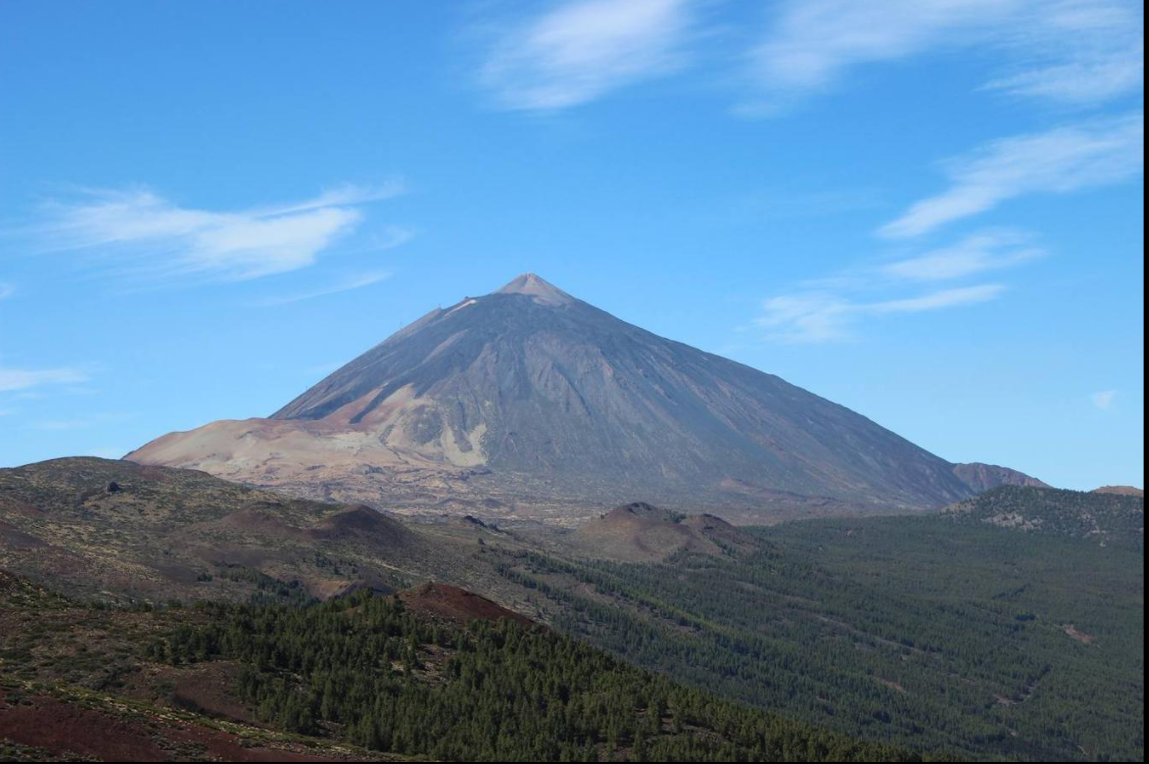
{"x":982,"y":477}
{"x":546,"y":405}
{"x":1120,"y":490}
{"x":1100,"y":517}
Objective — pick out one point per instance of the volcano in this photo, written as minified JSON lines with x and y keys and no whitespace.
{"x":529,"y":401}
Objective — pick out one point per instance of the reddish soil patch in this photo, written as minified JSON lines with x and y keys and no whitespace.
{"x":14,"y":538}
{"x":67,"y":729}
{"x":457,"y":605}
{"x":60,"y":728}
{"x":209,"y":688}
{"x":1080,"y":636}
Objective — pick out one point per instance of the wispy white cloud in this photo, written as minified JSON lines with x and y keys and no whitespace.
{"x":12,"y":379}
{"x":807,"y":317}
{"x":1076,"y":51}
{"x":825,"y":316}
{"x":813,"y":42}
{"x":355,"y":282}
{"x":830,"y":308}
{"x":1067,"y":50}
{"x":981,"y":252}
{"x":1091,"y":154}
{"x":1104,"y":400}
{"x":583,"y":49}
{"x":152,"y":237}
{"x":1108,"y":77}
{"x":946,"y":298}
{"x":991,"y":249}
{"x":6,"y":290}
{"x":388,"y":238}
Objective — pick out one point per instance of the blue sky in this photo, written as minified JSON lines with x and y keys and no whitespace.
{"x":929,"y":211}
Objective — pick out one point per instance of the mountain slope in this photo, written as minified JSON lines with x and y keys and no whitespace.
{"x":981,"y":477}
{"x":528,"y":394}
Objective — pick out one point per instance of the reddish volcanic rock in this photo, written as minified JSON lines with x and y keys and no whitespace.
{"x":457,"y":605}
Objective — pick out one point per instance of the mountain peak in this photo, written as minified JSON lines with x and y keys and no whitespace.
{"x":529,"y":394}
{"x":537,"y":287}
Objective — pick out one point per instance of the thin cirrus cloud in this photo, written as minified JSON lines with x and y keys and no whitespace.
{"x":823,"y":317}
{"x":1076,"y":52}
{"x":831,"y":309}
{"x":1104,"y":400}
{"x":151,"y":237}
{"x":978,"y":253}
{"x":14,"y":379}
{"x":1091,"y":154}
{"x":583,"y":49}
{"x":347,"y":285}
{"x":1071,"y":51}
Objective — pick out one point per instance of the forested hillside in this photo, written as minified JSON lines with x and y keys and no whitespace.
{"x":918,"y":631}
{"x":948,"y":634}
{"x":374,"y":675}
{"x":1103,"y":517}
